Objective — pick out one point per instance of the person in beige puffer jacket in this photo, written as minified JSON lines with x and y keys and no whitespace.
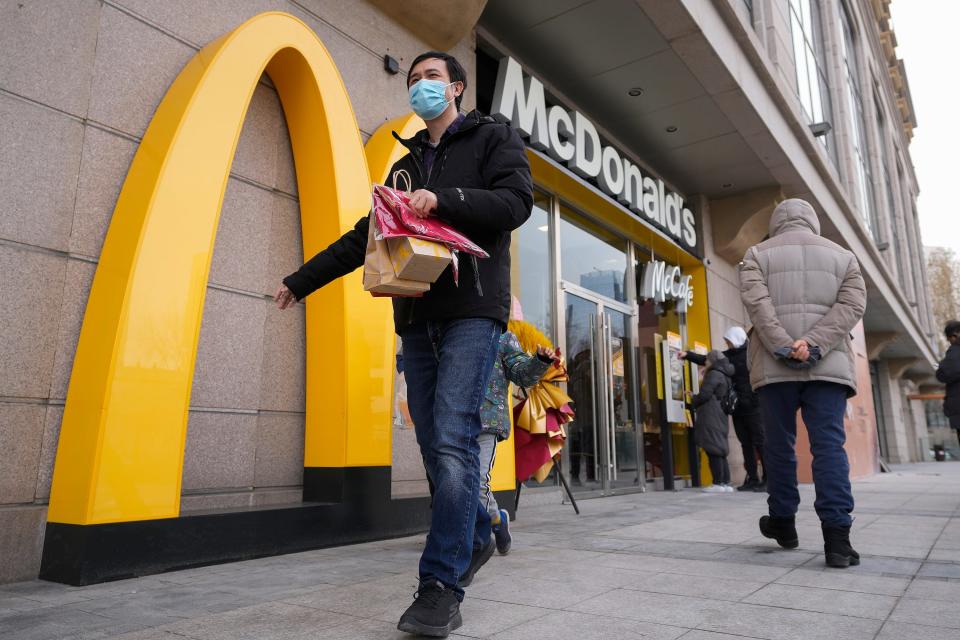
{"x":804,"y":295}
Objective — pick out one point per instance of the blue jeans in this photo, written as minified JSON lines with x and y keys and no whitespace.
{"x":822,"y":405}
{"x":447,"y":366}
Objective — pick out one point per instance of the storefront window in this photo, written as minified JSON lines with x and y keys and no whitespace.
{"x":530,"y":268}
{"x":592,"y":257}
{"x":812,"y":88}
{"x":857,"y":123}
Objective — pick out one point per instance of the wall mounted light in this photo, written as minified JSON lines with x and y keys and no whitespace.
{"x":821,"y":128}
{"x":390,"y":65}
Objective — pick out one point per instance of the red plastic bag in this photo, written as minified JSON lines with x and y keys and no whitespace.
{"x":396,"y":219}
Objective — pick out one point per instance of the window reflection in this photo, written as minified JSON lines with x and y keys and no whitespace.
{"x":530,"y":268}
{"x":592,"y":257}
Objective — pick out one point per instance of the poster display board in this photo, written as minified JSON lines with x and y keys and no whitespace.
{"x":673,"y":378}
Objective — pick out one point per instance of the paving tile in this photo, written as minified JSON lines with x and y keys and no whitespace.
{"x":482,"y":618}
{"x":659,"y":608}
{"x":48,"y":593}
{"x":11,"y":603}
{"x":696,"y":634}
{"x":695,"y":586}
{"x":59,"y":622}
{"x":894,"y":630}
{"x":843,"y":581}
{"x":897,"y":567}
{"x":383,"y":599}
{"x":531,"y":592}
{"x":850,"y":603}
{"x":569,"y":625}
{"x":764,"y":555}
{"x":273,"y":620}
{"x":944,"y":555}
{"x":773,"y":623}
{"x":891,"y":550}
{"x":934,"y":589}
{"x":939,"y":570}
{"x":585,"y":574}
{"x":928,"y":612}
{"x":685,"y":549}
{"x":704,"y":568}
{"x":161,"y":606}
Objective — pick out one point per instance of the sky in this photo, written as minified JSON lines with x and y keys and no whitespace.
{"x":927,"y":43}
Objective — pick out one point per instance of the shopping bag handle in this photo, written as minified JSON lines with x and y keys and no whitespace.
{"x":402,"y":173}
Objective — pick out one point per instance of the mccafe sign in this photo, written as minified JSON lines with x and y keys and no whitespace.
{"x":570,"y":138}
{"x":661,"y":283}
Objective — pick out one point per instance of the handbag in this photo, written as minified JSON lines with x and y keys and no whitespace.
{"x":379,"y":276}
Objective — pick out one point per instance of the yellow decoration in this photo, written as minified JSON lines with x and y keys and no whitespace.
{"x":540,"y":397}
{"x":532,"y":416}
{"x":528,"y":335}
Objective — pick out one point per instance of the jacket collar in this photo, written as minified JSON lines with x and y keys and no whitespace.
{"x":471,"y":121}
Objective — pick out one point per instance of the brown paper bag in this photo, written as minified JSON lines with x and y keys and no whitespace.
{"x":379,"y":277}
{"x":417,"y":259}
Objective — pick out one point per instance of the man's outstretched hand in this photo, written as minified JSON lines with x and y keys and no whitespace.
{"x":284,"y":298}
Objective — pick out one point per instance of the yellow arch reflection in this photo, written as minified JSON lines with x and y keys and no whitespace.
{"x":120,"y":454}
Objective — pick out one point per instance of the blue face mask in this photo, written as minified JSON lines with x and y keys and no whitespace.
{"x":428,"y":98}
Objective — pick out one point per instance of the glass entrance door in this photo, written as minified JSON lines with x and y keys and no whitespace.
{"x":603,"y":445}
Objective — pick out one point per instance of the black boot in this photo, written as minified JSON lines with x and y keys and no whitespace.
{"x":837,"y":549}
{"x":477,"y":560}
{"x":435,"y":612}
{"x":748,"y":484}
{"x":783,"y":530}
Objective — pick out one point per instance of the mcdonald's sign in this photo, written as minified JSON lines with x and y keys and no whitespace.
{"x":114,"y":503}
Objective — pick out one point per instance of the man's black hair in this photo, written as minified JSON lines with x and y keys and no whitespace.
{"x":952,"y":328}
{"x":454,"y":69}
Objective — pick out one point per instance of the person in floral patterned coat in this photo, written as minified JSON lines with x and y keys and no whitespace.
{"x":524,"y":370}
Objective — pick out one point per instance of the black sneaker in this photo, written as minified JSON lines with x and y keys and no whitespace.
{"x":501,"y":533}
{"x":435,"y":612}
{"x":480,"y":557}
{"x":760,"y":487}
{"x":783,"y":530}
{"x":837,"y":551}
{"x":748,"y":485}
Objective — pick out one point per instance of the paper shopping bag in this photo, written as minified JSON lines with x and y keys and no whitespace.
{"x":417,"y":259}
{"x":379,"y":277}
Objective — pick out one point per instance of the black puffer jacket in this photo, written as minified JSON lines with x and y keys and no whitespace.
{"x":949,"y":374}
{"x":481,"y":177}
{"x":711,"y":425}
{"x":747,"y":401}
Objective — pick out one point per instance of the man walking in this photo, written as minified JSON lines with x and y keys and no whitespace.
{"x":804,"y":294}
{"x":949,"y":374}
{"x":472,"y":172}
{"x":747,"y":421}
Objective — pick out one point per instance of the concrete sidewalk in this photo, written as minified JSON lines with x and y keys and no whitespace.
{"x":656,"y":566}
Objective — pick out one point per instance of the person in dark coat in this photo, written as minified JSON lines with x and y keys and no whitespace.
{"x":949,"y":374}
{"x":747,"y":419}
{"x":472,"y":172}
{"x":710,"y":424}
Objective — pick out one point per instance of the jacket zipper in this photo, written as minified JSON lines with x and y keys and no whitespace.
{"x":441,"y":160}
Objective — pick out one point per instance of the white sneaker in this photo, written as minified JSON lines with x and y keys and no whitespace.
{"x":728,"y":488}
{"x":714,"y":488}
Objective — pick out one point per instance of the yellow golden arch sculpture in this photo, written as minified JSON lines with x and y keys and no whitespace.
{"x":120,"y":454}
